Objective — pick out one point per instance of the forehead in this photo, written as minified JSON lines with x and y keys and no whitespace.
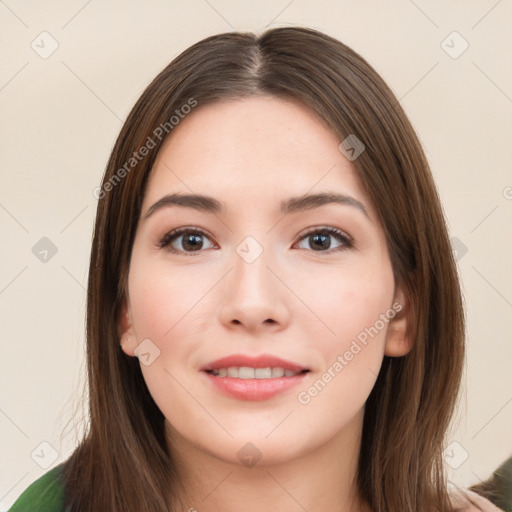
{"x":261,"y":148}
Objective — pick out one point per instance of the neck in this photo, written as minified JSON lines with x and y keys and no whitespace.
{"x":324,"y":478}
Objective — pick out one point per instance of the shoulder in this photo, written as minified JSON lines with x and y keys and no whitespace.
{"x":464,"y":500}
{"x":46,"y":494}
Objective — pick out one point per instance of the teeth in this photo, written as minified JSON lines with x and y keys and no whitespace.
{"x":263,"y":373}
{"x":233,"y":372}
{"x":245,"y":372}
{"x":277,"y":372}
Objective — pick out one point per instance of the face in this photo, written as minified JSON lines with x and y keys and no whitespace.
{"x":298,"y":292}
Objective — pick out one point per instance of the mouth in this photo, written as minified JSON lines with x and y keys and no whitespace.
{"x":253,"y":378}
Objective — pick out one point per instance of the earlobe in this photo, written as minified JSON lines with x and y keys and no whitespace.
{"x":400,"y":336}
{"x":126,"y":331}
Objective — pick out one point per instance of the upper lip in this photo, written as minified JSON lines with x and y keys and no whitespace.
{"x":261,"y":361}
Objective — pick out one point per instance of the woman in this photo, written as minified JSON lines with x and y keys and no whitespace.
{"x":274,"y":315}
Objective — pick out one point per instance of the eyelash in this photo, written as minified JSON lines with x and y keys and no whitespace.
{"x":169,"y":237}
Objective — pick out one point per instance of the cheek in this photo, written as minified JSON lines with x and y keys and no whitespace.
{"x":166,"y":300}
{"x":346,"y":304}
{"x":167,"y":308}
{"x":350,"y":323}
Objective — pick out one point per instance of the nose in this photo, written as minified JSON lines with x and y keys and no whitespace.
{"x":253,"y":298}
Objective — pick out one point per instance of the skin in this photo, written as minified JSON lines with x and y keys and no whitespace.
{"x":297,"y":301}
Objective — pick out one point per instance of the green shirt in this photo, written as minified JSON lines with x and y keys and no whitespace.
{"x":46,"y":494}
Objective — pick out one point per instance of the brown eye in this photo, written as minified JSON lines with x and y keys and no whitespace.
{"x":320,"y":240}
{"x":185,"y":240}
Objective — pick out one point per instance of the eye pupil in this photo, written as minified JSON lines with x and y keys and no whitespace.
{"x":322,"y":241}
{"x":192,"y":241}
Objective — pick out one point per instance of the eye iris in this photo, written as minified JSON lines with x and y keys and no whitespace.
{"x":320,"y":240}
{"x":192,"y":241}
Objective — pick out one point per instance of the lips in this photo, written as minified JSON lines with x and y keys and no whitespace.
{"x":253,"y":378}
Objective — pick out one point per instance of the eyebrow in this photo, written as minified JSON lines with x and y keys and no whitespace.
{"x":291,"y":205}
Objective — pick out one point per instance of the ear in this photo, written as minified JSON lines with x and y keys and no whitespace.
{"x":126,"y":331}
{"x":400,"y":336}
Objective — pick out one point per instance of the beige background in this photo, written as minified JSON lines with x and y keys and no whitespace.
{"x":60,"y":117}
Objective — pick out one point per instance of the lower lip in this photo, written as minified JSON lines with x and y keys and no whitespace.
{"x":254,"y":389}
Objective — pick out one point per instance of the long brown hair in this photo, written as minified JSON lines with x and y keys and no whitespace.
{"x":123,"y":462}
